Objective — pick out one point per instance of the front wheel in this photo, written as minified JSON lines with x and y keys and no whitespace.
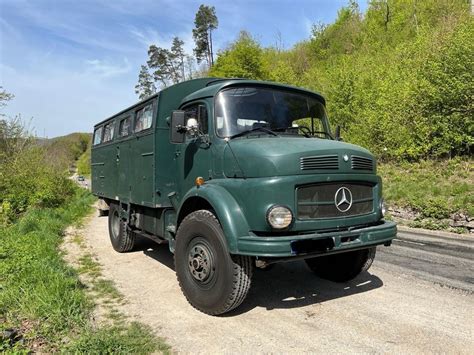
{"x":212,"y":280}
{"x":344,"y":266}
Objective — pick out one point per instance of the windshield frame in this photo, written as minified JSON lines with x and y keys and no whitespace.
{"x":320,"y":100}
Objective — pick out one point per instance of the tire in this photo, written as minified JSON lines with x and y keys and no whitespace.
{"x":213,"y":281}
{"x":342,"y":267}
{"x":121,"y":238}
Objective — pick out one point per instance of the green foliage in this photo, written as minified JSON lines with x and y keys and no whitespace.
{"x":146,"y":84}
{"x":42,"y":296}
{"x":36,"y":283}
{"x":434,"y":189}
{"x":32,"y":172}
{"x":243,"y":59}
{"x":399,"y":79}
{"x":84,"y":162}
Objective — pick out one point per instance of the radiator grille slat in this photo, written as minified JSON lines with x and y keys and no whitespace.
{"x":318,"y":201}
{"x":323,"y":162}
{"x":361,"y":163}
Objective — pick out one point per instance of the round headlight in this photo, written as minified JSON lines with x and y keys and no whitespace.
{"x":279,"y":217}
{"x":383,"y":208}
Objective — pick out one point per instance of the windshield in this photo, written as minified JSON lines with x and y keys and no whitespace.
{"x":243,"y":109}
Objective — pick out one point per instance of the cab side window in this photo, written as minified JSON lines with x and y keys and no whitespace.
{"x":108,"y":132}
{"x":144,"y":118}
{"x":98,"y":136}
{"x":124,"y":126}
{"x":199,"y":113}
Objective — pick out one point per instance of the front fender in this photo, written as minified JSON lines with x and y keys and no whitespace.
{"x":227,"y":210}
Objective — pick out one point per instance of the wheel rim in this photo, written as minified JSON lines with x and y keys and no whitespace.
{"x":201,"y":262}
{"x":115,"y":225}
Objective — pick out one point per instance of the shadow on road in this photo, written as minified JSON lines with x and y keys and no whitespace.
{"x":286,"y":285}
{"x":292,"y":285}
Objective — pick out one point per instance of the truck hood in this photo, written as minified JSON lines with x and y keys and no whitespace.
{"x":279,"y":156}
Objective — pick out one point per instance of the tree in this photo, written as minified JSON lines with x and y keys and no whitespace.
{"x":177,"y":56}
{"x":5,"y":97}
{"x":168,"y":65}
{"x":242,"y":59}
{"x":146,"y":86}
{"x":205,"y":22}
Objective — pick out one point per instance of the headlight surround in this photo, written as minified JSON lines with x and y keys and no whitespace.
{"x":383,"y":208}
{"x":279,"y":217}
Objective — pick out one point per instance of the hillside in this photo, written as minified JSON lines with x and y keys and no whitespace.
{"x":398,"y":78}
{"x":66,"y":150}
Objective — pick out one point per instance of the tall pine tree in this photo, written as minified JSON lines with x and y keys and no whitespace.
{"x":205,"y":22}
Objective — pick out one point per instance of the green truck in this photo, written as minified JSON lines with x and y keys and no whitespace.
{"x":235,"y":174}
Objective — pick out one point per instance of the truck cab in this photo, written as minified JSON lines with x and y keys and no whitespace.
{"x":234,"y":174}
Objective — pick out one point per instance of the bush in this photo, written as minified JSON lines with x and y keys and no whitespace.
{"x":30,"y":175}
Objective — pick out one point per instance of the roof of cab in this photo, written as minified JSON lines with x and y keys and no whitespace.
{"x":213,"y":87}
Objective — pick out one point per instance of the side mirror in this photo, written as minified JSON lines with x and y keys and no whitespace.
{"x":177,"y":127}
{"x":337,"y":133}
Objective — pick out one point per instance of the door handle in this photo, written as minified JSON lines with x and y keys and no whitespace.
{"x":177,"y":153}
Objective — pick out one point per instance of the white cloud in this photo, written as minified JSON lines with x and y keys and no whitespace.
{"x":107,"y":69}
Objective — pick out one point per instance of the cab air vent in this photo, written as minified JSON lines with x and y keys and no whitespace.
{"x":320,"y":162}
{"x":361,"y":163}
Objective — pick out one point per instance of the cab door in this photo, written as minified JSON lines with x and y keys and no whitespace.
{"x":194,"y":155}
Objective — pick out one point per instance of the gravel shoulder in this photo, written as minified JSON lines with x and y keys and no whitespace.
{"x":288,"y":309}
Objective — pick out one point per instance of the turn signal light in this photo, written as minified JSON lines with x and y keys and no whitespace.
{"x":199,"y":181}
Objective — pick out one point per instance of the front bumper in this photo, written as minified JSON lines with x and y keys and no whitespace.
{"x":317,"y":243}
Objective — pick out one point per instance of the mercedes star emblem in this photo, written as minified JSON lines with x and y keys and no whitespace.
{"x":343,"y":199}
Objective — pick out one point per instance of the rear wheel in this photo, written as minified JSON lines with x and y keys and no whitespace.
{"x":121,"y":238}
{"x":212,"y":280}
{"x":342,"y":267}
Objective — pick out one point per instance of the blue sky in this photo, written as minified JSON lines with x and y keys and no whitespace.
{"x":73,"y":63}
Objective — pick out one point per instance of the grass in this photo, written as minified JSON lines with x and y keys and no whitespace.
{"x":434,"y":189}
{"x":42,"y":298}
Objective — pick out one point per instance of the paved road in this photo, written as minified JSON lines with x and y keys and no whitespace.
{"x":416,"y":298}
{"x":446,"y":261}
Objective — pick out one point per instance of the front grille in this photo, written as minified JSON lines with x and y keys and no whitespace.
{"x":319,"y":200}
{"x":361,"y":163}
{"x":321,"y":162}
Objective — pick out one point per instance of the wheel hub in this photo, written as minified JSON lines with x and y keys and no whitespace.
{"x":200,"y":262}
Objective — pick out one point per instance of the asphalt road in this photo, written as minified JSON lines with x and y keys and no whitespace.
{"x":417,"y":298}
{"x":446,"y":261}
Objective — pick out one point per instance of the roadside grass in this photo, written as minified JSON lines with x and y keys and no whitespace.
{"x":43,"y":304}
{"x":433,"y":189}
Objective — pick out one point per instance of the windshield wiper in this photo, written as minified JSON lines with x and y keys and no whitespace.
{"x":263,"y":129}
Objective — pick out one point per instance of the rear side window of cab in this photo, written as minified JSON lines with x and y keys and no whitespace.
{"x":98,"y":135}
{"x":124,"y":126}
{"x":144,"y":118}
{"x":109,"y":129}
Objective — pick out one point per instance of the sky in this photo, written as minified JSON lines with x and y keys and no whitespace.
{"x":73,"y":63}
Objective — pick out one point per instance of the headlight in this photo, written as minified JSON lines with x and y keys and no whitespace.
{"x":279,"y":217}
{"x":383,"y":209}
